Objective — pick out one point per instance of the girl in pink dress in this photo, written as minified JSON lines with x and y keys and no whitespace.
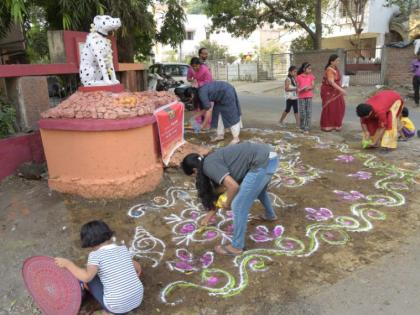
{"x":306,"y":85}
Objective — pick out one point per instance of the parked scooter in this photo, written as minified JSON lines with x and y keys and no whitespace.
{"x":167,"y":83}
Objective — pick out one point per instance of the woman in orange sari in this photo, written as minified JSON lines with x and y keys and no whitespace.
{"x":332,"y":95}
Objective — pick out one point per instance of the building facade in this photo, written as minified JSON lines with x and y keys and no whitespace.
{"x":198,"y":29}
{"x":339,"y":31}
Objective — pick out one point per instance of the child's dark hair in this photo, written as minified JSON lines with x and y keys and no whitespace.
{"x":405,"y":112}
{"x":193,"y":92}
{"x":303,"y":67}
{"x":291,"y":68}
{"x":95,"y":233}
{"x":205,"y":186}
{"x":290,"y":76}
{"x":195,"y":61}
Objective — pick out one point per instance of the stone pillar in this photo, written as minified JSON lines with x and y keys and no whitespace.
{"x":30,"y":96}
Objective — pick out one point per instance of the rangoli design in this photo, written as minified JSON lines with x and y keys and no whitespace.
{"x":324,"y":225}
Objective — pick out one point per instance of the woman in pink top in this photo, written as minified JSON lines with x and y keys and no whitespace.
{"x":306,"y":84}
{"x":198,"y":73}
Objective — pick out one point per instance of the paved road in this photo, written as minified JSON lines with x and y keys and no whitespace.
{"x":265,"y":111}
{"x":390,"y":286}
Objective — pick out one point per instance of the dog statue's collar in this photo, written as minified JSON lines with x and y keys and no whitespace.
{"x":102,"y":34}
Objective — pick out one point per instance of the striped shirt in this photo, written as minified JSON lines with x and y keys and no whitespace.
{"x":123,"y":290}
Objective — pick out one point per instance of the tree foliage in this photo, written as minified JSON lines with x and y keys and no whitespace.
{"x":242,"y":17}
{"x":5,"y":18}
{"x":270,"y":48}
{"x":135,"y":37}
{"x":196,"y":7}
{"x":302,"y":43}
{"x":36,"y":35}
{"x":7,"y":118}
{"x":406,"y":6}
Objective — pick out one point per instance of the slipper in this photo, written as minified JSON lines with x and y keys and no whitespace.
{"x":262,"y":217}
{"x":223,"y":250}
{"x":217,"y":139}
{"x":234,"y":141}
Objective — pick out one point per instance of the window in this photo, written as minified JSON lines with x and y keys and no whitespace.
{"x":184,"y":70}
{"x":176,"y":70}
{"x":208,"y":32}
{"x":190,"y":35}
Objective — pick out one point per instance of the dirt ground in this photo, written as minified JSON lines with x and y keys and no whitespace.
{"x":330,"y":224}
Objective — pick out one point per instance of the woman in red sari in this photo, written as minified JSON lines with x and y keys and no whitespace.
{"x":332,"y":95}
{"x":379,"y":117}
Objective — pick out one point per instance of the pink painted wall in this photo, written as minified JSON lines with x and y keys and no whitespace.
{"x":20,"y":149}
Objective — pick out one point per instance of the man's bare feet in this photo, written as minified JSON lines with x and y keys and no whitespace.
{"x":217,"y":139}
{"x":235,"y":141}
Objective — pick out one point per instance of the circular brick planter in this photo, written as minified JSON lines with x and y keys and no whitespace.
{"x":102,"y":158}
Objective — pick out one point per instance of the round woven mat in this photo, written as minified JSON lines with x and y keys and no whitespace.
{"x":55,"y":290}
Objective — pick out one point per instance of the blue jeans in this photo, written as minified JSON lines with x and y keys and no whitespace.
{"x":253,"y":186}
{"x":96,"y":289}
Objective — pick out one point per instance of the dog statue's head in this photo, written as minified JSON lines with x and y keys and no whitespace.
{"x":106,"y":23}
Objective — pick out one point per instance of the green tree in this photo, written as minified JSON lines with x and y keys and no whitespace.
{"x":5,"y":18}
{"x":270,"y":48}
{"x":196,"y":7}
{"x":406,"y":6}
{"x":36,"y":35}
{"x":135,"y":37}
{"x":302,"y":43}
{"x":241,"y":17}
{"x":7,"y":118}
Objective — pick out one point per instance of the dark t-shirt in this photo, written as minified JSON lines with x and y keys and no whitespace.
{"x":235,"y":160}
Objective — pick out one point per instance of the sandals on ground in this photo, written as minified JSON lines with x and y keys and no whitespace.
{"x":217,"y":139}
{"x":265,"y":219}
{"x":224,"y":250}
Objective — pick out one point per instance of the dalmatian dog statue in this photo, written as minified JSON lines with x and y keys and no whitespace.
{"x":96,"y":66}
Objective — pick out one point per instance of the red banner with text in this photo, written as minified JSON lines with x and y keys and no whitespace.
{"x":170,"y":121}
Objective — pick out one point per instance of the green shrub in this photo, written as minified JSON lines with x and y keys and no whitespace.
{"x":7,"y":119}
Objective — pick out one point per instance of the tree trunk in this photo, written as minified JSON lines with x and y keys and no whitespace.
{"x":318,"y":25}
{"x":125,"y":49}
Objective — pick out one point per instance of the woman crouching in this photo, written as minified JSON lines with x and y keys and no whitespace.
{"x":244,"y":171}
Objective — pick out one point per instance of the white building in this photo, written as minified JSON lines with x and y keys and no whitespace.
{"x":338,"y":29}
{"x":197,"y":29}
